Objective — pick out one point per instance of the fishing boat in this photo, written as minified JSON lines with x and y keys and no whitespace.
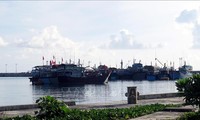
{"x":134,"y":72}
{"x":66,"y":74}
{"x":149,"y":72}
{"x":185,"y":71}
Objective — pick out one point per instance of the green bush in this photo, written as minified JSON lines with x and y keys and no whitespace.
{"x":191,"y":89}
{"x":50,"y":108}
{"x":190,"y":116}
{"x":113,"y":114}
{"x":181,"y":84}
{"x":25,"y":117}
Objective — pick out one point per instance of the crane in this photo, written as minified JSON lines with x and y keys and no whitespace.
{"x":158,"y":61}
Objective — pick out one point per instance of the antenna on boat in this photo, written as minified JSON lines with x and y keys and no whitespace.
{"x":89,"y":63}
{"x":54,"y":60}
{"x":70,"y":61}
{"x":180,"y":61}
{"x":79,"y":62}
{"x":83,"y":63}
{"x":74,"y":57}
{"x":62,"y":60}
{"x":155,"y":58}
{"x":43,"y":60}
{"x":134,"y":60}
{"x":121,"y":64}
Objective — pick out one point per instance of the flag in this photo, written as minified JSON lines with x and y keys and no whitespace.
{"x":42,"y":57}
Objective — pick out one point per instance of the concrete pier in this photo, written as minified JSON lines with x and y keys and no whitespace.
{"x":20,"y":74}
{"x":28,"y":106}
{"x":170,"y":98}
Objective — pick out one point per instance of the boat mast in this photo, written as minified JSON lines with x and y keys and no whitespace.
{"x":121,"y":64}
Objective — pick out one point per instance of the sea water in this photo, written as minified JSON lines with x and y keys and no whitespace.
{"x":19,"y":90}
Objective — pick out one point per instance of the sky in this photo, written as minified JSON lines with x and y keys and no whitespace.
{"x":99,"y":32}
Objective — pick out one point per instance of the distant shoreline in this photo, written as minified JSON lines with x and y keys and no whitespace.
{"x":20,"y":74}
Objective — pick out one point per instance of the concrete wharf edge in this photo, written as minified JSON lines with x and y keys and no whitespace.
{"x":169,"y":113}
{"x":72,"y":103}
{"x":28,"y":106}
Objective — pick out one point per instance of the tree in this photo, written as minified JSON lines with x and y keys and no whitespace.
{"x":191,"y":89}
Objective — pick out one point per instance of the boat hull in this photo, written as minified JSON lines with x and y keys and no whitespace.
{"x":66,"y":80}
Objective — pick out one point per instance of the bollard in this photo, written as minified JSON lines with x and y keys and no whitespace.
{"x":132,"y":95}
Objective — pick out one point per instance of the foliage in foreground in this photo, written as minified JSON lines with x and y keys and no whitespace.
{"x":191,"y":89}
{"x":181,"y":84}
{"x":102,"y":114}
{"x":190,"y":116}
{"x":52,"y":109}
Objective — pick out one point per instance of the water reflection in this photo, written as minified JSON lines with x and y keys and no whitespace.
{"x":113,"y":91}
{"x":15,"y":91}
{"x":80,"y":94}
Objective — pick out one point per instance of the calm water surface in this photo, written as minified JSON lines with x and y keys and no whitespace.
{"x":18,"y":90}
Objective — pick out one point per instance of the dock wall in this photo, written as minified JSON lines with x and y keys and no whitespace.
{"x":28,"y":106}
{"x":21,"y":74}
{"x":159,"y":96}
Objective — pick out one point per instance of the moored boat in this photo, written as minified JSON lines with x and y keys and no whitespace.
{"x":185,"y":71}
{"x":150,"y":72}
{"x":66,"y":74}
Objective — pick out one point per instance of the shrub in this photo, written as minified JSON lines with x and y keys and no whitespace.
{"x":191,"y":89}
{"x":181,"y":84}
{"x":50,"y":108}
{"x":190,"y":116}
{"x":25,"y":117}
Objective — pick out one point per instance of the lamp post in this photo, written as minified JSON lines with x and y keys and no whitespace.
{"x":16,"y":68}
{"x":6,"y":68}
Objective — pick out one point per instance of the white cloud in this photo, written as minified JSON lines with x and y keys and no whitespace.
{"x":124,"y":41}
{"x":2,"y":42}
{"x":49,"y":42}
{"x":190,"y":18}
{"x":196,"y":35}
{"x":187,"y":16}
{"x":50,"y":38}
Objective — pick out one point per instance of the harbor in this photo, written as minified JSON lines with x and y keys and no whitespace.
{"x":99,"y":54}
{"x":107,"y":96}
{"x":78,"y":86}
{"x":87,"y":84}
